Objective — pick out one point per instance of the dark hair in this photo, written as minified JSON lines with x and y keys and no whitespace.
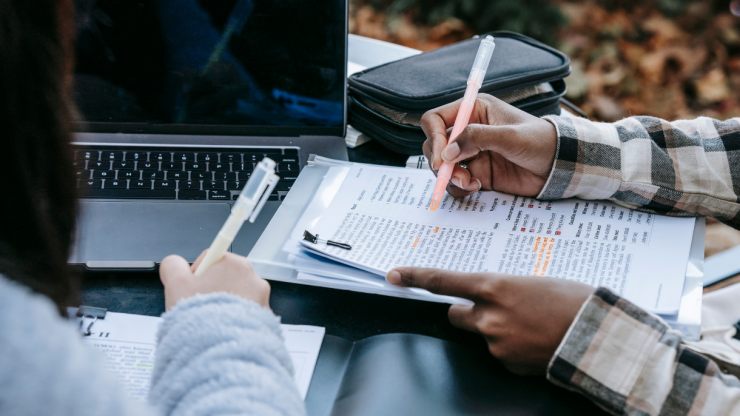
{"x":38,"y":208}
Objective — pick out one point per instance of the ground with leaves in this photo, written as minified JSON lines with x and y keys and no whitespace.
{"x":627,"y":59}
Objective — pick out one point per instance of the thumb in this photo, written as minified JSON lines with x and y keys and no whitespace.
{"x":173,"y":267}
{"x":441,"y":282}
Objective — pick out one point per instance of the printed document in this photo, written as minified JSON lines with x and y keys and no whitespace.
{"x":128,"y":343}
{"x":383,"y":213}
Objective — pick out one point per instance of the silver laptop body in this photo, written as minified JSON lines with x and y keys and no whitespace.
{"x":177,"y":101}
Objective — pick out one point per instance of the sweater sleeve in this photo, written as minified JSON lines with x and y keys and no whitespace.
{"x":46,"y":369}
{"x":218,"y":354}
{"x":630,"y":362}
{"x":681,"y":168}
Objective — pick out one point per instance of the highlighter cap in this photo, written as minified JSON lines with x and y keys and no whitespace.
{"x":482,"y":59}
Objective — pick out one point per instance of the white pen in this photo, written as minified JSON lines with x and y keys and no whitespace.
{"x":249,"y":204}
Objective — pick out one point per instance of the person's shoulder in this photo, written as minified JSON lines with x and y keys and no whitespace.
{"x":32,"y":333}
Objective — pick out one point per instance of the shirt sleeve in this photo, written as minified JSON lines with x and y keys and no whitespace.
{"x":218,"y":354}
{"x":630,"y":362}
{"x":681,"y":168}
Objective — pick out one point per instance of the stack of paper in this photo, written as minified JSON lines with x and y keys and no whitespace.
{"x":382,"y":212}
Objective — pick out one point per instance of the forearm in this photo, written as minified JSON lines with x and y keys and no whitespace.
{"x":630,"y":362}
{"x":683,"y":168}
{"x":218,"y":354}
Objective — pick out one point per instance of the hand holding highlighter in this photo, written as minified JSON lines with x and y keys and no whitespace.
{"x":475,"y":80}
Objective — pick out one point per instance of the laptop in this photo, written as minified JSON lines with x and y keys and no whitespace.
{"x":177,"y":100}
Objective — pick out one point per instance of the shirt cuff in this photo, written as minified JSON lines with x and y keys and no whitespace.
{"x":587,"y":160}
{"x":606,"y":349}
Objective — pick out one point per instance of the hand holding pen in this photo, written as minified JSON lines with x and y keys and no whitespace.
{"x":475,"y":81}
{"x":503,"y":148}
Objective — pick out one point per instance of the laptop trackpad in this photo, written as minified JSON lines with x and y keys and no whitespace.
{"x":146,"y":231}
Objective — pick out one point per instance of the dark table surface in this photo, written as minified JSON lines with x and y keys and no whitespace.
{"x":350,"y":315}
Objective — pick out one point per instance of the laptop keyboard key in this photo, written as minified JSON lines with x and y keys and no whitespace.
{"x":153,"y":175}
{"x":147,"y":165}
{"x":201,"y":176}
{"x":171,"y":165}
{"x":213,"y":185}
{"x":161,"y":156}
{"x":112,"y":155}
{"x":195,"y":166}
{"x":184,"y":157}
{"x":115,"y":184}
{"x":87,"y":155}
{"x":207,"y":157}
{"x":165,"y":185}
{"x":284,"y":186}
{"x":174,"y":174}
{"x":219,"y":195}
{"x":225,"y":176}
{"x":128,"y":174}
{"x":91,"y":183}
{"x":191,"y":194}
{"x":104,"y":174}
{"x":129,"y":194}
{"x":98,"y":164}
{"x":82,"y":174}
{"x":244,"y":176}
{"x":248,"y":166}
{"x":289,"y":159}
{"x":291,"y":151}
{"x":234,"y":185}
{"x":135,"y":156}
{"x":219,"y":167}
{"x":189,"y":185}
{"x":144,"y":184}
{"x":288,"y":167}
{"x":123,"y":165}
{"x":253,"y":157}
{"x":231,"y":157}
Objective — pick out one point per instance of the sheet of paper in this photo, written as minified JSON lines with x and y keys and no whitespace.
{"x":128,"y":343}
{"x":353,"y":68}
{"x":384,"y":214}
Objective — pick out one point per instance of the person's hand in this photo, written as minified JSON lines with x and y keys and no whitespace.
{"x":505,"y":149}
{"x":232,"y":274}
{"x":523,"y":318}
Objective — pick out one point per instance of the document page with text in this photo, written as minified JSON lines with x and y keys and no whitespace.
{"x":383,"y":213}
{"x":128,"y":343}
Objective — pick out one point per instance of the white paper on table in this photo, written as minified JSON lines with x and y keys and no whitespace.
{"x":128,"y":343}
{"x":353,"y":68}
{"x":383,"y":212}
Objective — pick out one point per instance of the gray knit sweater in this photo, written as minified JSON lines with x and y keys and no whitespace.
{"x":217,"y":354}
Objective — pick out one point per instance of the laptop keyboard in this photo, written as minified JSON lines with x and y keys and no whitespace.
{"x":184,"y":174}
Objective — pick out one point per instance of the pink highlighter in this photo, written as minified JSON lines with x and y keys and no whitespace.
{"x":475,"y":80}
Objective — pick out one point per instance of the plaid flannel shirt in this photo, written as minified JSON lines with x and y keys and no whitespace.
{"x":623,"y":358}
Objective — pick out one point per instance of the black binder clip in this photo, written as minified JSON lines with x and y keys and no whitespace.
{"x":89,"y":312}
{"x":315,"y":239}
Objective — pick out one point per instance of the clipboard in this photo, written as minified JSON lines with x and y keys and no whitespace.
{"x":312,"y":194}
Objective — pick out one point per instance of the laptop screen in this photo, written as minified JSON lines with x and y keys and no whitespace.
{"x":268,"y":67}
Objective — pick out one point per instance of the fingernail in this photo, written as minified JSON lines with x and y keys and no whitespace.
{"x":393,"y":277}
{"x":474,"y":186}
{"x":456,"y":181}
{"x":450,"y":152}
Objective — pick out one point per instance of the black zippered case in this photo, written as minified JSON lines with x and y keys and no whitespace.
{"x":386,"y":102}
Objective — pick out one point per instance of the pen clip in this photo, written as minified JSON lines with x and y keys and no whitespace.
{"x":271,"y":183}
{"x":315,"y":239}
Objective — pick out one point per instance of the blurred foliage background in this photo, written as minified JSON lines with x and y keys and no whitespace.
{"x":673,"y":59}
